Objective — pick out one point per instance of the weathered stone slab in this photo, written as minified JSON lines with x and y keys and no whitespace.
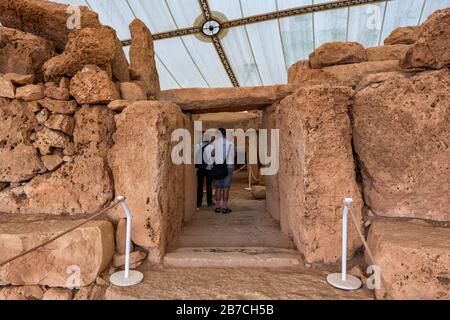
{"x":269,"y":122}
{"x":78,"y":187}
{"x":317,"y":170}
{"x":297,"y":69}
{"x":21,"y":293}
{"x":89,"y":248}
{"x":59,"y":106}
{"x":337,"y":53}
{"x":351,"y":74}
{"x":197,"y":100}
{"x":401,"y":134}
{"x":16,"y":122}
{"x":21,"y":52}
{"x":20,"y":79}
{"x":143,"y":171}
{"x":96,"y":46}
{"x":19,"y":163}
{"x":389,"y":52}
{"x":142,"y":58}
{"x":7,"y":89}
{"x":94,"y":126}
{"x":44,"y":18}
{"x":132,"y":91}
{"x":432,"y":48}
{"x":31,"y":92}
{"x":90,"y":86}
{"x":414,"y":260}
{"x":47,"y":138}
{"x":61,"y":122}
{"x":403,"y":35}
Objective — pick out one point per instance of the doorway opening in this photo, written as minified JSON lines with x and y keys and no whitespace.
{"x":250,"y":231}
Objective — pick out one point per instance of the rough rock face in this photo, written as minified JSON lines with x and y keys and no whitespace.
{"x":336,"y":53}
{"x":83,"y":186}
{"x":269,"y":122}
{"x":7,"y":89}
{"x":389,"y":52}
{"x":21,"y":293}
{"x":119,"y":66}
{"x":352,"y":74}
{"x":402,"y":139}
{"x":96,"y":46}
{"x":83,"y":182}
{"x":142,"y":58}
{"x":91,"y":86}
{"x":44,"y":18}
{"x":89,"y":248}
{"x":143,"y":172}
{"x":297,"y":69}
{"x":432,"y":48}
{"x":132,"y":91}
{"x":18,"y":159}
{"x":31,"y":92}
{"x":23,"y":53}
{"x":25,"y":163}
{"x":59,"y":106}
{"x":414,"y":260}
{"x":94,"y":128}
{"x":403,"y":35}
{"x":190,"y":177}
{"x":199,"y":100}
{"x":317,"y":170}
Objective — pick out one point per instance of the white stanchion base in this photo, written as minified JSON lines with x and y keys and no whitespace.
{"x":118,"y":278}
{"x":248,"y":189}
{"x":352,"y":282}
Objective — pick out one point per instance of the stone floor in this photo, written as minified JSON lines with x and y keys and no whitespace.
{"x":232,"y":283}
{"x":242,"y":255}
{"x":249,"y":225}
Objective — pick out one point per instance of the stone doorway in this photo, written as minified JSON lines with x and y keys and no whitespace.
{"x":249,"y":236}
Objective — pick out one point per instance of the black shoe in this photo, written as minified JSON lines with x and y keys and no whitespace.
{"x":226,"y":210}
{"x":217,"y":210}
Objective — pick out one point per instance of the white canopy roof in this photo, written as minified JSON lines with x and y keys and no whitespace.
{"x":257,"y":53}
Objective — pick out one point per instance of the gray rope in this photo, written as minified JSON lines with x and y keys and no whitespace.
{"x":95,"y":215}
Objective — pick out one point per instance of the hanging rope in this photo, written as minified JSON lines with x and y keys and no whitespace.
{"x":95,"y":215}
{"x":369,"y":252}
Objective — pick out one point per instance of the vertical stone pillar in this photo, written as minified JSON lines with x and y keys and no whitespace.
{"x":317,"y":170}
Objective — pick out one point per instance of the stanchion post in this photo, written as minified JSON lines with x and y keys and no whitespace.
{"x":343,"y":280}
{"x":126,"y":278}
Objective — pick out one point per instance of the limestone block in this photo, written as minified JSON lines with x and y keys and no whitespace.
{"x":403,"y":35}
{"x":31,"y":92}
{"x":317,"y":170}
{"x":142,"y":58}
{"x":143,"y":171}
{"x":402,"y":139}
{"x":337,"y":53}
{"x":93,"y":87}
{"x":414,"y":260}
{"x":87,"y":249}
{"x":432,"y":48}
{"x":22,"y":53}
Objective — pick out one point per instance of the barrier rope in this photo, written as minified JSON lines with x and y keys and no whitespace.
{"x":46,"y":242}
{"x":369,"y":252}
{"x":251,"y":171}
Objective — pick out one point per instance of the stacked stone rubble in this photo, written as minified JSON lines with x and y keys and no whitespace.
{"x":60,"y":90}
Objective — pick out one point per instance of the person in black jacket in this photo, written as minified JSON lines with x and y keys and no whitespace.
{"x":204,"y":173}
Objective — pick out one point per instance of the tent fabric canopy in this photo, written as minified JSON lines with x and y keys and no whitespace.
{"x":251,"y":53}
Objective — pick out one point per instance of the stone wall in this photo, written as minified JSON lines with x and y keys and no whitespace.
{"x":62,"y":92}
{"x":269,"y":122}
{"x":143,"y":171}
{"x":317,"y":170}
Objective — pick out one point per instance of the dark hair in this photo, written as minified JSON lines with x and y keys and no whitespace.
{"x":223,"y":132}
